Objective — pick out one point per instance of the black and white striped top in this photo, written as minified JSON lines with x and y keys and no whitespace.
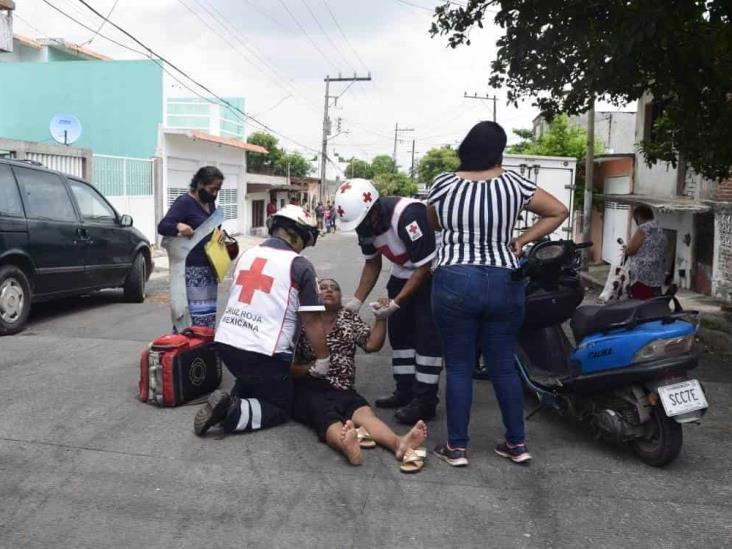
{"x":478,"y":217}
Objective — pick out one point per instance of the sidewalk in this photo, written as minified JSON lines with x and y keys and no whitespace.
{"x":716,"y":325}
{"x":160,"y":256}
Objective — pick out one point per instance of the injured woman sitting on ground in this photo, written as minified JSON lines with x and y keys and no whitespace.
{"x":330,"y":405}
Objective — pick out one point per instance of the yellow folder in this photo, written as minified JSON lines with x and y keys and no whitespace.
{"x":218,"y":256}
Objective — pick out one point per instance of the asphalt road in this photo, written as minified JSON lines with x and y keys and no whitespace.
{"x":84,"y":464}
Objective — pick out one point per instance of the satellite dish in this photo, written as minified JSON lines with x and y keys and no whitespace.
{"x":65,"y":128}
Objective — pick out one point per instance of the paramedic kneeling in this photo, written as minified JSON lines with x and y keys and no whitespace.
{"x":274,"y":291}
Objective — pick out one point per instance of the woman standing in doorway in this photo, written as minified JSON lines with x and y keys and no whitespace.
{"x":186,"y":214}
{"x":474,"y":297}
{"x":647,"y":253}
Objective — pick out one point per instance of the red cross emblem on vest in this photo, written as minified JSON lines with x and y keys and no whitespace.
{"x":367,"y":197}
{"x":347,"y":185}
{"x":340,"y":211}
{"x":254,"y":279}
{"x":413,"y":228}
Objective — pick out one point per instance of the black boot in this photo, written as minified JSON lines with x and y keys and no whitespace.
{"x":213,"y":412}
{"x":414,"y":411}
{"x":394,"y":400}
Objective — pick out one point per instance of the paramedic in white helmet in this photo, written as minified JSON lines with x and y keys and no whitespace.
{"x":398,"y":228}
{"x":274,"y":292}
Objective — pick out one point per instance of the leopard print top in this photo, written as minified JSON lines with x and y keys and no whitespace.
{"x":348,"y":332}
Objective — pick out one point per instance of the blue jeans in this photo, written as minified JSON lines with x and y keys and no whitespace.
{"x":471,"y":304}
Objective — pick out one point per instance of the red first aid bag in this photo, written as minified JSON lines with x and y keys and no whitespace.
{"x":178,"y":368}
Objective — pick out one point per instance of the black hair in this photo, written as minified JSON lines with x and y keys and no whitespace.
{"x":482,"y":149}
{"x":205,"y":176}
{"x":333,"y":280}
{"x":643,"y":212}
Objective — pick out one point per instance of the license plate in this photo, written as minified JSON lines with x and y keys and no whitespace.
{"x":681,"y":398}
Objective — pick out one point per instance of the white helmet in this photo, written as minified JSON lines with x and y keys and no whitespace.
{"x":297,"y":218}
{"x":353,"y":201}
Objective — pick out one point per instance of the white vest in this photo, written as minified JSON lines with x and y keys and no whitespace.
{"x":261,"y":313}
{"x":390,"y":245}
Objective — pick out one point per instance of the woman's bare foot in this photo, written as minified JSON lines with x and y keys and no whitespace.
{"x":349,"y":443}
{"x":412,"y":440}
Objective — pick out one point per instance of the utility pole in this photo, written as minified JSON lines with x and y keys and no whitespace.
{"x":397,"y":130}
{"x":486,"y":98}
{"x":412,"y":170}
{"x":326,"y":123}
{"x":589,"y":176}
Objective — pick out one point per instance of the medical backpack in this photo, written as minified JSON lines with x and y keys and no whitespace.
{"x":179,"y":368}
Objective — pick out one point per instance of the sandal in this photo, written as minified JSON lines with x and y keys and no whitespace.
{"x":364,"y":438}
{"x":411,"y":462}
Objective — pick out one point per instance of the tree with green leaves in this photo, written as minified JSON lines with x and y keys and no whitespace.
{"x":382,"y":164}
{"x":394,"y":184}
{"x":435,"y":161}
{"x":258,"y":162}
{"x":358,"y":169}
{"x":277,"y":160}
{"x":560,"y":139}
{"x":293,"y":164}
{"x":566,"y":53}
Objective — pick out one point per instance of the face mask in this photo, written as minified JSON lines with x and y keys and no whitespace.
{"x":206,"y":196}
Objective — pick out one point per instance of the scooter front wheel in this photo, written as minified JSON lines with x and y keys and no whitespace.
{"x":663,"y":443}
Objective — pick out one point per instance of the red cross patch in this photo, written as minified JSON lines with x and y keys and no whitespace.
{"x":254,"y":279}
{"x":367,"y":198}
{"x":413,"y":230}
{"x":341,"y":212}
{"x":343,"y":188}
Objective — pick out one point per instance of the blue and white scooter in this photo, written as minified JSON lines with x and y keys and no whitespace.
{"x":627,"y":375}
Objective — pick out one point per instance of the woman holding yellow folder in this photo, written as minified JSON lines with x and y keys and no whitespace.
{"x":186,"y":214}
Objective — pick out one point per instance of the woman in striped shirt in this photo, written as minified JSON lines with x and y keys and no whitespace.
{"x":474,"y":298}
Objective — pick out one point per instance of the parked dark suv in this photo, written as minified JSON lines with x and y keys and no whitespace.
{"x":60,"y":237}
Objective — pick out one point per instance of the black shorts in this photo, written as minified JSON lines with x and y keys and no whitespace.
{"x":319,"y":405}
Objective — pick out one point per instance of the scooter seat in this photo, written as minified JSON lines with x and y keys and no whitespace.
{"x":590,"y":319}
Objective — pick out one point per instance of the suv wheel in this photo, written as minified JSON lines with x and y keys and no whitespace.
{"x":134,"y":288}
{"x":15,"y":299}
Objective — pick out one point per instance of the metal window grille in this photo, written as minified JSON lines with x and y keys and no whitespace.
{"x":122,"y":176}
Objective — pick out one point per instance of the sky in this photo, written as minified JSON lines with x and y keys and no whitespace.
{"x":277,"y":53}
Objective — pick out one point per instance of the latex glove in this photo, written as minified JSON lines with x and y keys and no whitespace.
{"x":353,"y":305}
{"x":383,"y":312}
{"x":320,"y":368}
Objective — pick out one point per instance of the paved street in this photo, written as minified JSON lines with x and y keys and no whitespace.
{"x":84,"y":464}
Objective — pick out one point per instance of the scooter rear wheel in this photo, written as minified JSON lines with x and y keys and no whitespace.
{"x":664,"y":443}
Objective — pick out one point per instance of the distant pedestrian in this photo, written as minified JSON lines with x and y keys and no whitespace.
{"x":320,"y":215}
{"x":474,"y":296}
{"x":333,"y":217}
{"x":647,"y":253}
{"x":326,"y":217}
{"x":184,"y":216}
{"x":271,"y":208}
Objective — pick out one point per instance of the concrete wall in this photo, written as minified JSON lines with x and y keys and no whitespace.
{"x":119,"y":103}
{"x":182,"y":156}
{"x":616,"y":130}
{"x":683,"y":224}
{"x":722,"y":269}
{"x":24,"y":54}
{"x":251,"y":197}
{"x":142,"y":210}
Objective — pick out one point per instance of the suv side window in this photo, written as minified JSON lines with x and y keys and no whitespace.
{"x":91,"y":204}
{"x":45,"y":195}
{"x":10,"y":203}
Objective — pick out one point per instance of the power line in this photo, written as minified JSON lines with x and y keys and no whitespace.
{"x":327,"y":36}
{"x":101,"y":26}
{"x":187,"y":76}
{"x":275,"y":77}
{"x":307,"y":35}
{"x":343,"y":34}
